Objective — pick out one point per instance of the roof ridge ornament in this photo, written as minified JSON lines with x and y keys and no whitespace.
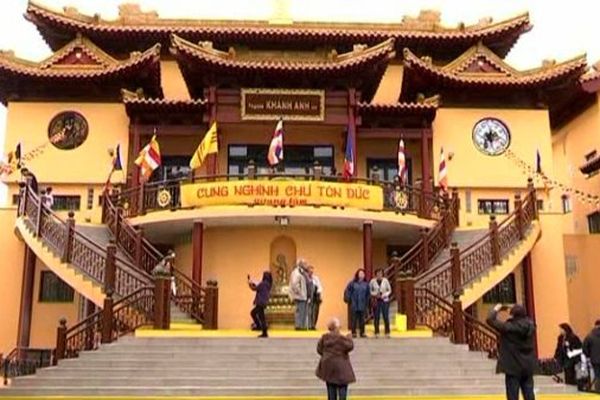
{"x":132,"y":13}
{"x":426,"y":20}
{"x":548,"y":63}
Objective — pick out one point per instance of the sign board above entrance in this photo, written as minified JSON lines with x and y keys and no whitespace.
{"x":282,"y":193}
{"x":290,"y":104}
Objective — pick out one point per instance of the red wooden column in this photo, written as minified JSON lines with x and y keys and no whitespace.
{"x":24,"y":330}
{"x":197,"y":248}
{"x":212,"y":166}
{"x":135,"y":132}
{"x":425,"y":161}
{"x":368,"y":248}
{"x":352,"y":124}
{"x":528,"y":286}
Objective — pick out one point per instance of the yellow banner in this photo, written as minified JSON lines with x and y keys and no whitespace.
{"x":282,"y":193}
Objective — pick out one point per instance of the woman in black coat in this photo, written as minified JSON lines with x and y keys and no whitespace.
{"x":568,"y":352}
{"x":263,"y":293}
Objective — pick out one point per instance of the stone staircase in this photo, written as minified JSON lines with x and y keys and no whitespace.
{"x":270,"y":367}
{"x":463,"y":238}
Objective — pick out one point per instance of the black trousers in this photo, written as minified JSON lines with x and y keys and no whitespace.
{"x":524,"y":383}
{"x":596,"y":383}
{"x":358,"y":321}
{"x":336,"y":392}
{"x":258,"y":316}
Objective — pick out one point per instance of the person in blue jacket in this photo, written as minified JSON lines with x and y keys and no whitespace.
{"x":263,"y":293}
{"x":357,"y":296}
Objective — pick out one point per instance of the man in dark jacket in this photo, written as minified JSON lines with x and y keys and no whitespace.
{"x":516,"y":358}
{"x":591,"y":348}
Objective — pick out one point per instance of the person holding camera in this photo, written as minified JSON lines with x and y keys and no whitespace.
{"x":263,"y":293}
{"x":516,"y":350}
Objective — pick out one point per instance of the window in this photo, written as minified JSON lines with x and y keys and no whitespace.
{"x":504,"y":292}
{"x":540,"y":204}
{"x":594,"y":222}
{"x":172,"y":167}
{"x":492,"y":206}
{"x":54,"y":290}
{"x":388,"y":168}
{"x":566,"y":204}
{"x":90,"y":198}
{"x":66,"y":203}
{"x":298,"y":159}
{"x":15,"y":199}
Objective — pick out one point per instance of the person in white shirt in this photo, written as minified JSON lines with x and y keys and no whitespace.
{"x":381,"y":290}
{"x":49,"y":198}
{"x":315,"y":298}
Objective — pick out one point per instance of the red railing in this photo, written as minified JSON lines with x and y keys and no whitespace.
{"x":107,"y":325}
{"x":470,"y":263}
{"x":189,"y":295}
{"x":22,"y":361}
{"x":73,"y":247}
{"x":418,"y":259}
{"x":448,"y":319}
{"x":398,"y":198}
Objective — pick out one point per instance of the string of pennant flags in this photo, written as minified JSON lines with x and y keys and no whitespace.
{"x":15,"y":159}
{"x":539,"y":176}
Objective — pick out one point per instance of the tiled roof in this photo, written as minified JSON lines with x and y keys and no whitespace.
{"x":590,"y":81}
{"x":361,"y":68}
{"x":205,"y":54}
{"x":97,"y":64}
{"x":133,"y":22}
{"x":479,"y":66}
{"x":136,"y":103}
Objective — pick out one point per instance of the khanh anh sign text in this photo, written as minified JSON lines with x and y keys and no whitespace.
{"x":290,"y":104}
{"x":278,"y":193}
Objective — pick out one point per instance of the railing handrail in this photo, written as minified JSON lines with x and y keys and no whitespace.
{"x":87,"y":242}
{"x":431,"y":274}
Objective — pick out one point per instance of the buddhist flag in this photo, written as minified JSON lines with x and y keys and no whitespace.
{"x":117,"y":164}
{"x":538,"y":162}
{"x":13,"y":161}
{"x":402,"y":171}
{"x":149,"y":158}
{"x":208,"y":145}
{"x":349,"y":155}
{"x":275,"y":154}
{"x":443,"y":172}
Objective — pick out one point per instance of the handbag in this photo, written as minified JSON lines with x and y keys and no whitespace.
{"x":582,"y":370}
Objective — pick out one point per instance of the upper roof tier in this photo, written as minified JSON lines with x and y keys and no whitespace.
{"x":78,"y":69}
{"x":479,"y":68}
{"x":136,"y":29}
{"x":203,"y":65}
{"x":590,"y":82}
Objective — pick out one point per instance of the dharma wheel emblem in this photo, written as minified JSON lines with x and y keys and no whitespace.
{"x":401,"y":200}
{"x":68,"y":130}
{"x":163,"y":198}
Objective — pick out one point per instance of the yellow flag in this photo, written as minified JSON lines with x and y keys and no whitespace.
{"x":209,"y":145}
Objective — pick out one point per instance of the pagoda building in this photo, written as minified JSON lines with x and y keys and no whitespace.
{"x":407,"y":146}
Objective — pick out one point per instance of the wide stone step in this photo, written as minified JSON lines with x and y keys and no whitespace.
{"x":272,"y":381}
{"x":317,"y":390}
{"x":281,"y":363}
{"x":361,"y":371}
{"x":243,"y":350}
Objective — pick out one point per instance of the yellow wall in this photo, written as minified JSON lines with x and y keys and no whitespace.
{"x":89,"y":163}
{"x":172,"y":82}
{"x":571,"y":143}
{"x":11,"y":275}
{"x":45,"y":316}
{"x":230,"y":254}
{"x":582,"y":280}
{"x":549,"y":283}
{"x":453,"y":127}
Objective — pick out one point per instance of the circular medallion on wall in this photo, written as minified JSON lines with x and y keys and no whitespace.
{"x":491,"y":136}
{"x":68,"y":130}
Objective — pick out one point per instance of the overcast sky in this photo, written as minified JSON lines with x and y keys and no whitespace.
{"x":562,"y":29}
